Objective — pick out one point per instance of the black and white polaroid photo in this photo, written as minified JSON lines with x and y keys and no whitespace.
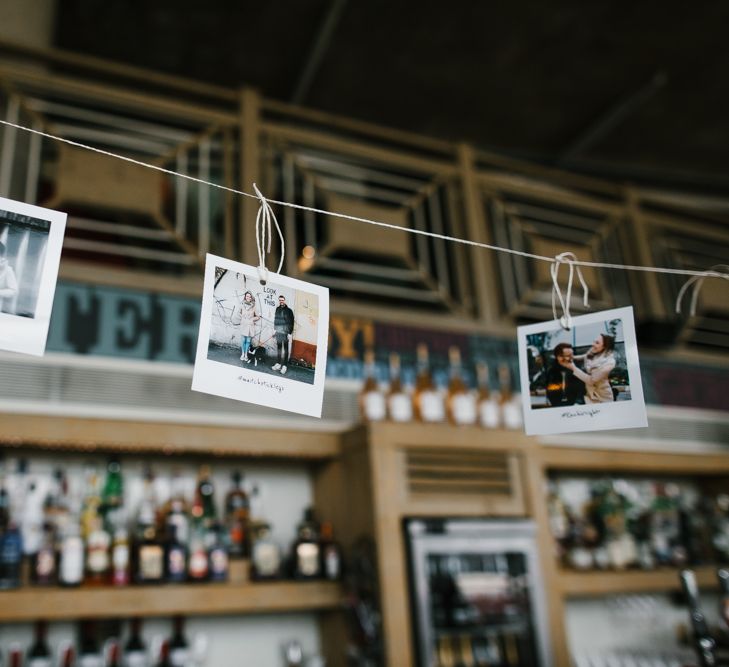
{"x":30,"y":252}
{"x":262,"y":343}
{"x":585,"y":378}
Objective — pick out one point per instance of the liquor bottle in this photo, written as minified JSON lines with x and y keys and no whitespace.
{"x":43,"y":564}
{"x":163,"y":659}
{"x":306,"y":560}
{"x":39,"y":655}
{"x":331,"y":554}
{"x":15,"y":656}
{"x":203,"y":507}
{"x":704,"y":644}
{"x":135,"y":652}
{"x":723,"y":576}
{"x":399,"y":405}
{"x":71,"y":559}
{"x":178,"y":516}
{"x":57,"y":509}
{"x":460,"y":403}
{"x":11,"y":556}
{"x":265,"y":554}
{"x":175,"y":558}
{"x":511,"y":411}
{"x":218,"y":555}
{"x":428,"y":405}
{"x":149,"y":557}
{"x":91,"y":502}
{"x":113,"y":654}
{"x":179,"y":648}
{"x":198,"y":565}
{"x":120,"y":556}
{"x":89,"y":654}
{"x":559,"y":521}
{"x":489,"y":412}
{"x":237,"y":510}
{"x":371,"y":400}
{"x":112,"y":495}
{"x":31,"y":519}
{"x":98,"y":553}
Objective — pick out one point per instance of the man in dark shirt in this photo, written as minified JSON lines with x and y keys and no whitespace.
{"x":283,"y":326}
{"x":563,"y":388}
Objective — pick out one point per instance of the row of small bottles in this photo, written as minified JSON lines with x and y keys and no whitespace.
{"x":91,"y":651}
{"x":491,"y":649}
{"x":59,"y":539}
{"x":642,"y":523}
{"x":426,"y":402}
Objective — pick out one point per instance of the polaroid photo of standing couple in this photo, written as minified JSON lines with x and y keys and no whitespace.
{"x":263,"y":343}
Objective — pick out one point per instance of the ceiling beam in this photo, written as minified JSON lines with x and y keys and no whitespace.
{"x":318,"y":49}
{"x":614,"y":116}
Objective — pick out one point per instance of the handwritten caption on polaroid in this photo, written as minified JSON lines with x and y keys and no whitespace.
{"x":261,"y":382}
{"x":590,"y":412}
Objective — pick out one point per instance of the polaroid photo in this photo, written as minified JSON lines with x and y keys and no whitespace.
{"x":586,"y":378}
{"x":30,"y":252}
{"x":263,"y":344}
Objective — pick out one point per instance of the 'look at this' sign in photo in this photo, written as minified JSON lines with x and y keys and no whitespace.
{"x":262,"y":343}
{"x":585,"y":378}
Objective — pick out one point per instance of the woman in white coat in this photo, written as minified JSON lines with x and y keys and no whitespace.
{"x":599,"y":362}
{"x":248,"y":318}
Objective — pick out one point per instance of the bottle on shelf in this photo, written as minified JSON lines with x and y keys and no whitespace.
{"x":218,"y":555}
{"x":120,"y":554}
{"x":89,"y":653}
{"x":113,"y":654}
{"x":11,"y":556}
{"x":91,"y":502}
{"x":57,"y":508}
{"x":399,"y":404}
{"x":175,"y":557}
{"x":44,"y":562}
{"x":203,"y":507}
{"x":149,"y":557}
{"x":179,"y":648}
{"x":98,"y":552}
{"x":372,"y":402}
{"x":177,"y":514}
{"x":305,"y":554}
{"x":489,"y":412}
{"x":39,"y":654}
{"x":460,"y":402}
{"x":331,"y":554}
{"x":112,"y":495}
{"x":237,"y":518}
{"x":71,"y":559}
{"x":31,"y":519}
{"x":265,"y":554}
{"x":198,"y":564}
{"x":428,"y":404}
{"x":511,"y":410}
{"x":135,"y":650}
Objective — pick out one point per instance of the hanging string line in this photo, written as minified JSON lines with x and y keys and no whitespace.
{"x":409,"y":230}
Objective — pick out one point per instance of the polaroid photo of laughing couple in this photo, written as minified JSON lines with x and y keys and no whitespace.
{"x":262,"y":343}
{"x":585,"y":378}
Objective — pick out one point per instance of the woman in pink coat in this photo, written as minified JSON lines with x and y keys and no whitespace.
{"x":599,"y":362}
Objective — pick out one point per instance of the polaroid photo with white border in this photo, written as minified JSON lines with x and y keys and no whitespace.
{"x":31,"y":238}
{"x":586,"y":378}
{"x":262,"y":343}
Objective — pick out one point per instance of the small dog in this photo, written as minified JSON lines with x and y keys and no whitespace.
{"x":256,"y":354}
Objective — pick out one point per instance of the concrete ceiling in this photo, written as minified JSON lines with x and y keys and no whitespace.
{"x":634,"y":90}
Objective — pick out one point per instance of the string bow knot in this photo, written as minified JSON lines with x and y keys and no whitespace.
{"x":570,"y":259}
{"x":264,"y":218}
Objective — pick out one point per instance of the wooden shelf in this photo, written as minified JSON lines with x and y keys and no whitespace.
{"x":27,"y":604}
{"x":581,"y":584}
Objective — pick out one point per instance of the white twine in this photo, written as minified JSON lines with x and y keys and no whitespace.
{"x":344,"y":216}
{"x":698,"y":283}
{"x":570,"y":259}
{"x":264,"y":217}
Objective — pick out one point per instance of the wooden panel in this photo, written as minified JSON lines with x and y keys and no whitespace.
{"x":605,"y":460}
{"x":575,"y":584}
{"x":89,"y":435}
{"x":28,"y":604}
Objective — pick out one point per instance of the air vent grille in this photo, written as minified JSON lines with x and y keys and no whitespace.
{"x":458,"y":472}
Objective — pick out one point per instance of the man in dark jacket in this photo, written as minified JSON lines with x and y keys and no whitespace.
{"x":563,"y":388}
{"x":283,"y":326}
